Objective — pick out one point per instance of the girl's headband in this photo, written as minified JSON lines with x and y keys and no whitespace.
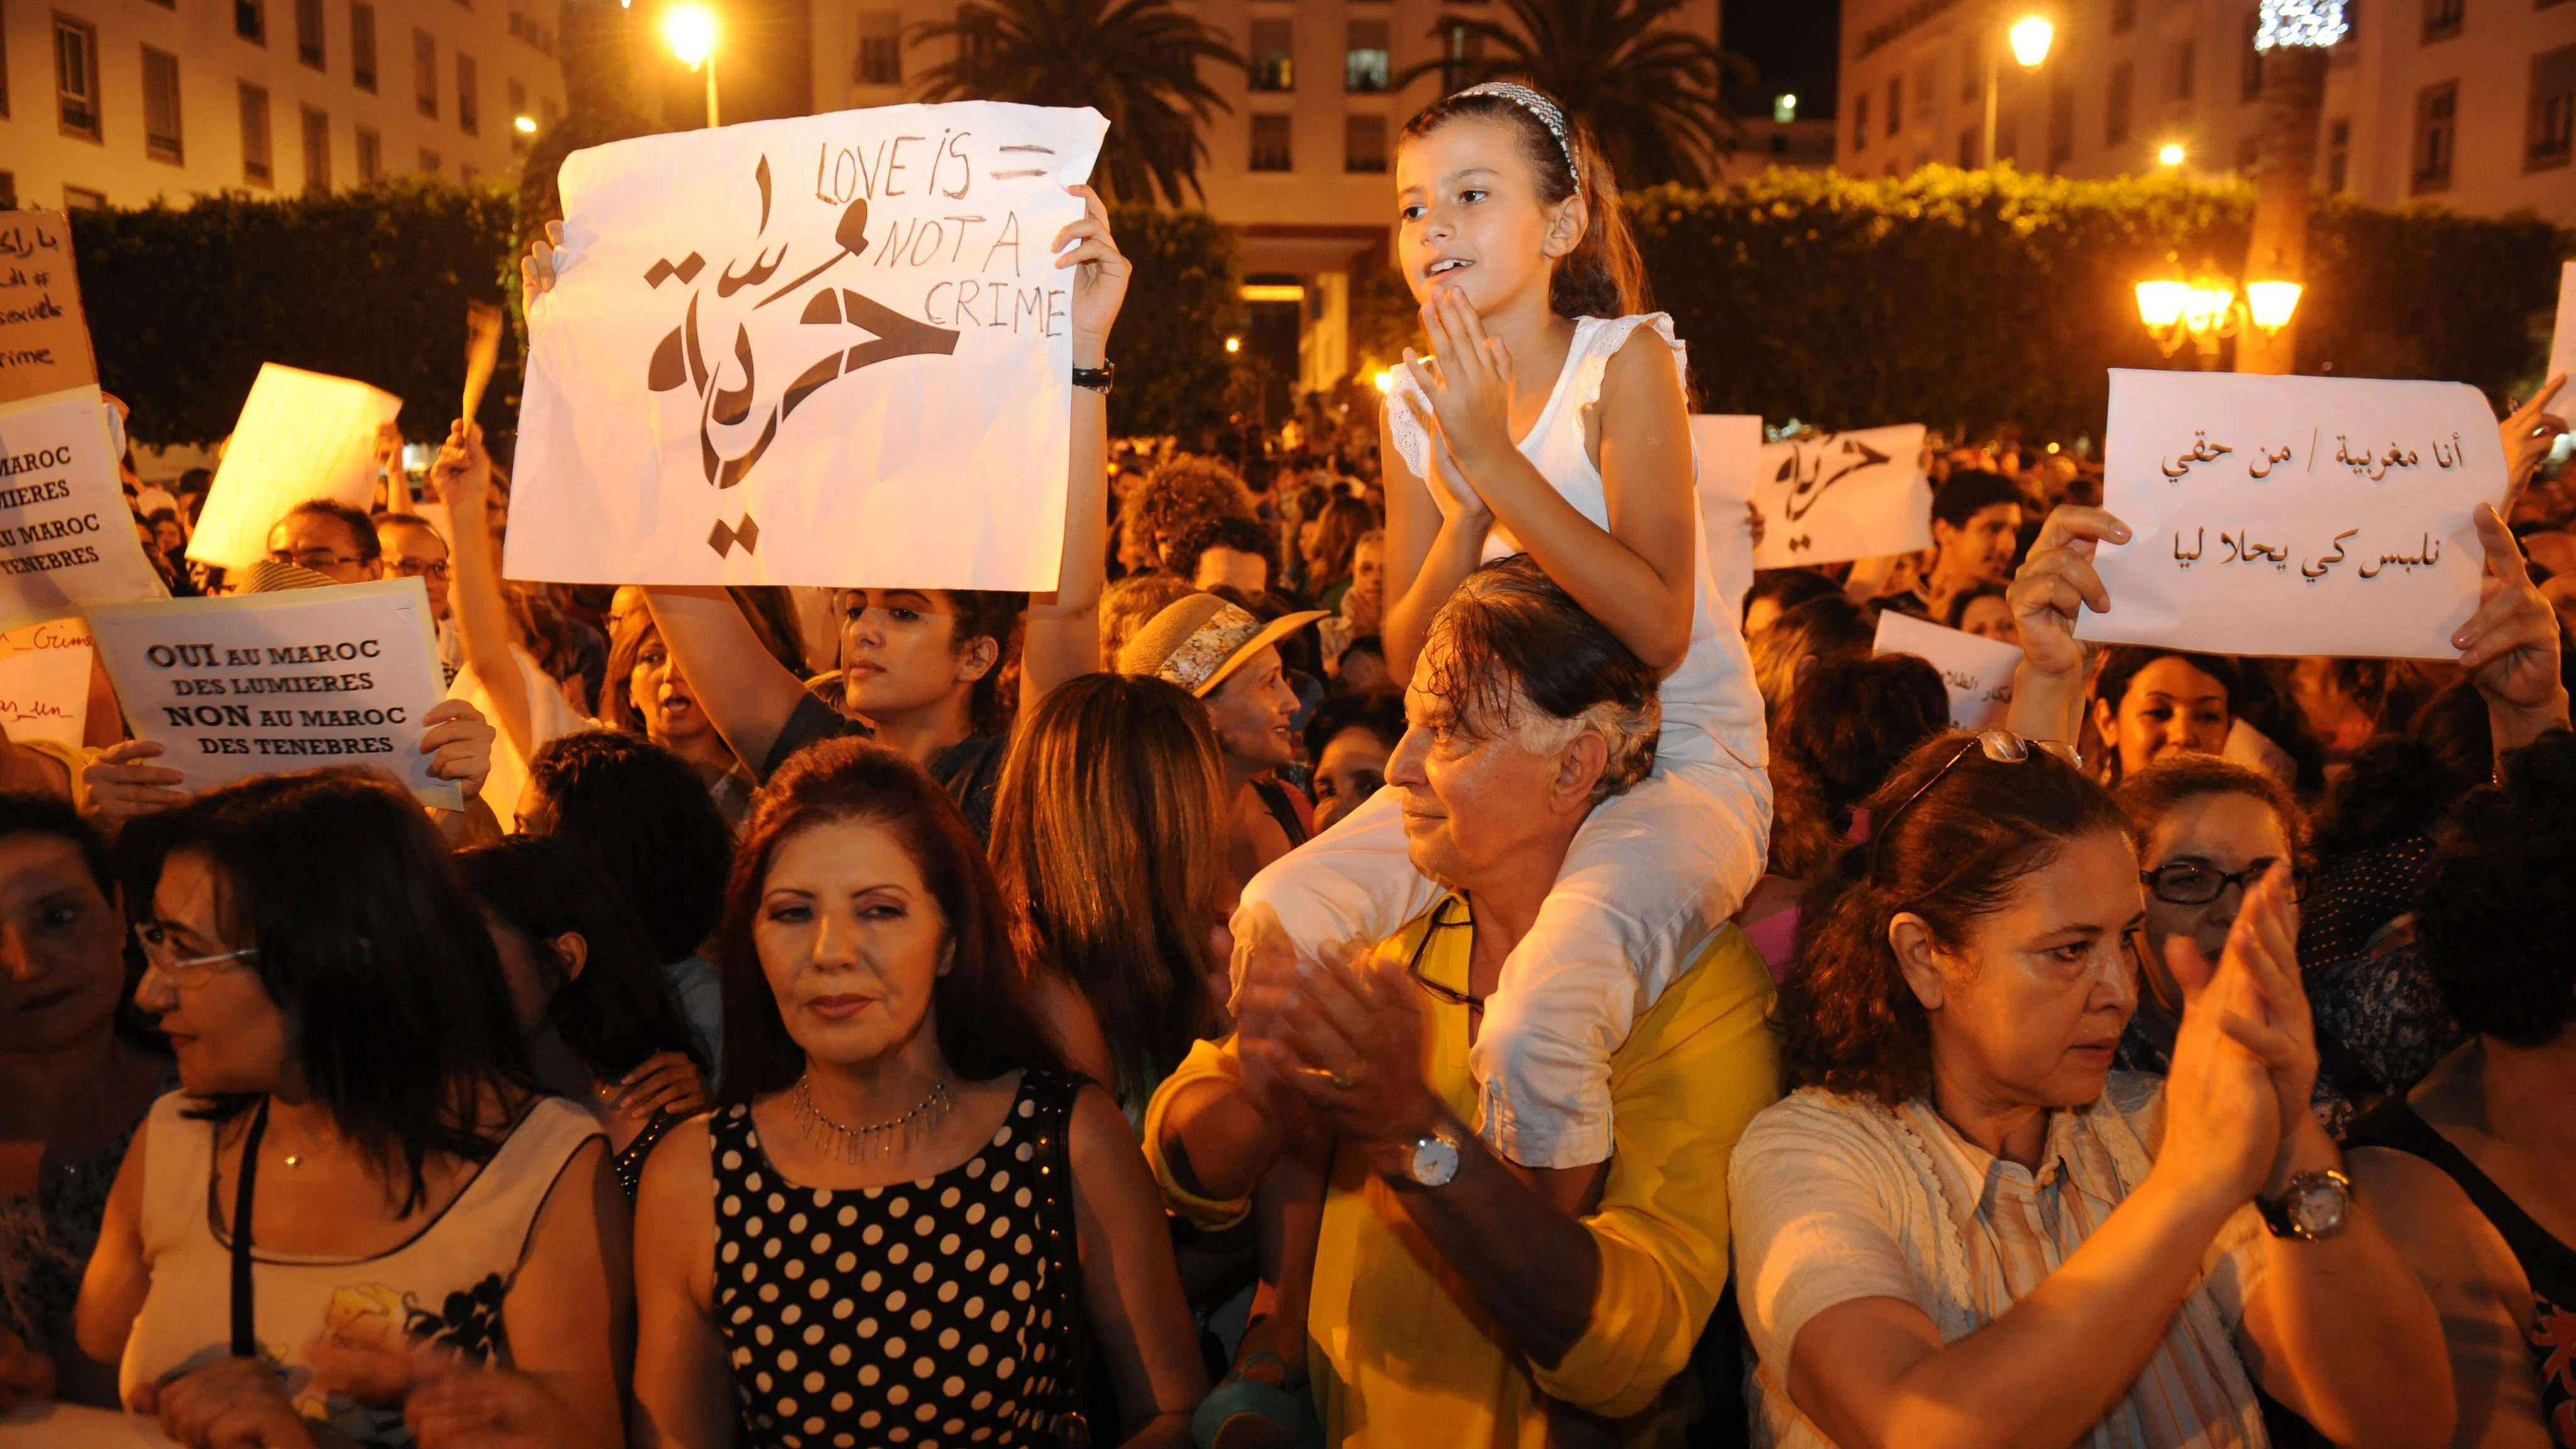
{"x":1538,"y":105}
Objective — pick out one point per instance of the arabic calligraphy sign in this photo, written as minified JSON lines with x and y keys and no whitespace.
{"x":302,"y":435}
{"x":1828,"y":497}
{"x":825,"y":350}
{"x":1976,"y":670}
{"x":44,"y":341}
{"x":2294,"y":515}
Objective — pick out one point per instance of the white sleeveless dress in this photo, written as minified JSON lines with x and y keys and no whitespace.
{"x":447,"y":1284}
{"x":1649,"y":876}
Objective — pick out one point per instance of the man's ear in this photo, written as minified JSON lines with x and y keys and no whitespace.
{"x":1578,"y":770}
{"x":572,"y":953}
{"x":1910,"y":937}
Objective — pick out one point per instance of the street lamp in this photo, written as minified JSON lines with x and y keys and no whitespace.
{"x":2206,"y":308}
{"x":1234,"y":344}
{"x":2030,"y":38}
{"x":526,"y":125}
{"x":2171,"y":153}
{"x":690,"y":31}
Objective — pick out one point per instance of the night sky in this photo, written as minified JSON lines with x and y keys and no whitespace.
{"x":1794,"y":44}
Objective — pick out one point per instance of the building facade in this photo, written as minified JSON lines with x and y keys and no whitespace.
{"x":124,"y":102}
{"x":1299,"y":166}
{"x":2468,"y":103}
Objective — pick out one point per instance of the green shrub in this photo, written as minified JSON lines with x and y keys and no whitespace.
{"x":1170,"y":342}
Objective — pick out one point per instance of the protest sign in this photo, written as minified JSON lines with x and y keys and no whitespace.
{"x":44,"y":340}
{"x":1976,"y":670}
{"x":1827,"y":497}
{"x":66,"y":534}
{"x":2294,"y":515}
{"x":1727,"y":448}
{"x":259,"y":684}
{"x":44,"y":677}
{"x":302,"y":435}
{"x":2562,"y":344}
{"x":825,"y":350}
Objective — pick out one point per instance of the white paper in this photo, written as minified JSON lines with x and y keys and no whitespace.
{"x":1828,"y":497}
{"x":66,"y":534}
{"x":1727,"y":448}
{"x":2562,"y":344}
{"x":1976,"y":670}
{"x":261,"y":684}
{"x":44,"y":678}
{"x":2294,"y":515}
{"x":302,"y":435}
{"x":828,"y":350}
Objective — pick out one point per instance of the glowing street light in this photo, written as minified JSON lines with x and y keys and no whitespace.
{"x":2207,"y":308}
{"x":690,"y":31}
{"x":1234,"y":344}
{"x":2030,"y":38}
{"x":526,"y":125}
{"x":2272,"y":303}
{"x":2171,"y":154}
{"x":1385,"y":379}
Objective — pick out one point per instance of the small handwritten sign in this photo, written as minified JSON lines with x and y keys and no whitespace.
{"x":44,"y":678}
{"x":2294,"y":515}
{"x":1828,"y":497}
{"x":302,"y":435}
{"x":66,"y":533}
{"x":2562,"y":344}
{"x":1976,"y":670}
{"x":44,"y":340}
{"x":260,"y":684}
{"x":1728,"y":450}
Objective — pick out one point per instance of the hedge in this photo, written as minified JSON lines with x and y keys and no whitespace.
{"x":1969,"y":300}
{"x":1170,"y":342}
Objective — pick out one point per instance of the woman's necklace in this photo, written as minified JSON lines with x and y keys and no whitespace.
{"x":876,"y":1141}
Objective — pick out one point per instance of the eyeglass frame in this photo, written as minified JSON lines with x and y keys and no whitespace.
{"x":185,"y":970}
{"x":2243,"y":880}
{"x":415,"y":568}
{"x":2001,"y":746}
{"x":305,"y":558}
{"x":1441,"y":991}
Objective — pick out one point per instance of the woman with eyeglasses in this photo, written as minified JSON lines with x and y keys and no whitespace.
{"x":358,"y":1174}
{"x":1963,"y":1227}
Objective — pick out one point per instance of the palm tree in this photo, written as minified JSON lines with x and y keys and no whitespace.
{"x":1134,"y":61}
{"x":1651,"y":95}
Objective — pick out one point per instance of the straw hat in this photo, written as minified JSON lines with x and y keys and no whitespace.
{"x":1200,"y":639}
{"x":269,"y":576}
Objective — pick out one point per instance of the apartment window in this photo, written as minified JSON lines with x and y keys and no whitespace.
{"x":1895,"y":104}
{"x":469,"y":98}
{"x":317,"y":151}
{"x":76,"y":76}
{"x":1364,"y":56}
{"x":2338,"y":154}
{"x":362,"y":47}
{"x":2008,"y":134}
{"x":161,"y":106}
{"x":1364,"y":143}
{"x":424,"y":72}
{"x":2186,"y":75}
{"x":8,"y":191}
{"x":428,"y":161}
{"x":880,"y":58}
{"x":1972,"y":64}
{"x":1274,"y":56}
{"x":2553,"y":109}
{"x":1460,"y":49}
{"x":2061,"y":122}
{"x":1969,"y":140}
{"x":1927,"y":77}
{"x":81,"y":198}
{"x":2444,"y":19}
{"x":2249,"y":86}
{"x":2348,"y":50}
{"x":1860,"y":121}
{"x":308,"y":33}
{"x":1270,"y":144}
{"x":2437,"y":135}
{"x":2124,"y":16}
{"x":371,"y":157}
{"x":2116,"y":105}
{"x":254,"y":127}
{"x":976,"y":37}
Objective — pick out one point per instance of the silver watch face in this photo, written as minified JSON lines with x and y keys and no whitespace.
{"x":2317,"y":1205}
{"x":1435,"y":1161}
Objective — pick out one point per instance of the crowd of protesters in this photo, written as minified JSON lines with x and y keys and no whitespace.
{"x":1388,"y":953}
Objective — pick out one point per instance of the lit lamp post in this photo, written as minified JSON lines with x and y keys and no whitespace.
{"x":2030,"y":38}
{"x":2205,"y":309}
{"x":2291,"y":37}
{"x":691,"y":32}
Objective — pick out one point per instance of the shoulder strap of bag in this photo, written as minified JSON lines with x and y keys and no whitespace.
{"x":245,"y":1325}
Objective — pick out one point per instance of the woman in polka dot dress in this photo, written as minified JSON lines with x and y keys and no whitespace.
{"x":878,"y":1241}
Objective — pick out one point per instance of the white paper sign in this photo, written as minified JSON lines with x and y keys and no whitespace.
{"x":302,"y":435}
{"x":66,"y":534}
{"x":2562,"y":344}
{"x":2294,"y":515}
{"x":1976,"y":670}
{"x":261,"y":684}
{"x":1828,"y":497}
{"x":1728,"y":450}
{"x":828,"y":350}
{"x":44,"y":678}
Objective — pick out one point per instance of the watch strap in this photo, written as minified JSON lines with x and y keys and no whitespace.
{"x":1098,"y":379}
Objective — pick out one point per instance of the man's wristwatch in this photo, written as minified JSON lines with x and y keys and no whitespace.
{"x":1099,"y":379}
{"x":2314,"y":1205}
{"x":1433,"y":1158}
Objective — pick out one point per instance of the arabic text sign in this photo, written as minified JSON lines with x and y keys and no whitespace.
{"x":1828,"y":497}
{"x":44,"y":341}
{"x":826,"y":350}
{"x":44,"y":678}
{"x":2294,"y":515}
{"x":66,"y":534}
{"x":302,"y":435}
{"x":1976,"y":670}
{"x":1728,"y":450}
{"x":261,"y":684}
